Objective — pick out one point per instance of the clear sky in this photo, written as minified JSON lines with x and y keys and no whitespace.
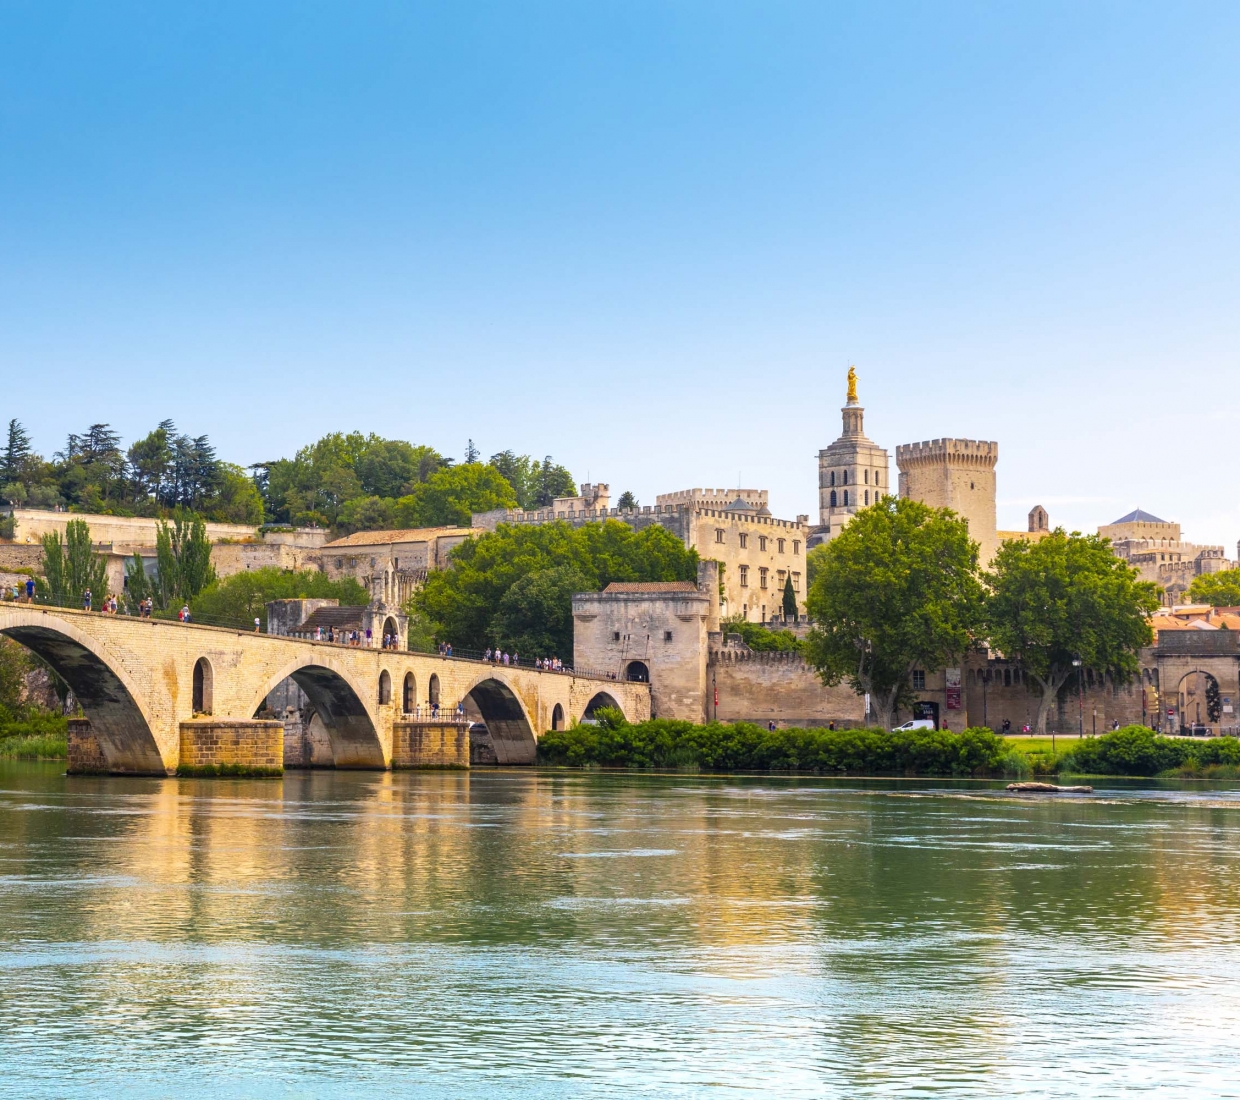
{"x":645,"y":238}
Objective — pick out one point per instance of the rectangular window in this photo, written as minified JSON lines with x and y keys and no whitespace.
{"x":761,"y":542}
{"x":667,"y":635}
{"x":919,"y":680}
{"x":762,"y":578}
{"x":796,"y":546}
{"x":780,"y":579}
{"x":615,"y":635}
{"x":719,"y":534}
{"x":744,"y":540}
{"x":796,"y":582}
{"x":744,"y":576}
{"x":781,"y":545}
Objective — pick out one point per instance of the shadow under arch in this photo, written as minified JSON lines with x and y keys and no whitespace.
{"x":598,"y":702}
{"x":116,"y":719}
{"x":354,"y":737}
{"x":512,"y":736}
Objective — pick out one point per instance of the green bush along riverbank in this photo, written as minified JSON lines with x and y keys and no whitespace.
{"x":32,"y":735}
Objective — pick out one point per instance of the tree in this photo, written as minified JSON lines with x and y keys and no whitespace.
{"x":17,"y":454}
{"x":813,"y":564}
{"x":761,"y":640}
{"x":71,"y":566}
{"x":462,"y":602}
{"x":627,"y":501}
{"x":535,"y":615}
{"x":450,"y":496}
{"x":183,"y":554}
{"x":237,"y":499}
{"x":1219,"y":589}
{"x":553,"y":481}
{"x":138,"y":585}
{"x":790,"y":601}
{"x":238,"y":600}
{"x":897,"y":589}
{"x":1065,"y":598}
{"x":471,"y":453}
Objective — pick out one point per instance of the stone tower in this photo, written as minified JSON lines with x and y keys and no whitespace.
{"x":852,"y":472}
{"x":958,"y":474}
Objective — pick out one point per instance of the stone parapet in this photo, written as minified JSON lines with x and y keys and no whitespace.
{"x":435,"y":744}
{"x":975,"y":452}
{"x":231,"y":746}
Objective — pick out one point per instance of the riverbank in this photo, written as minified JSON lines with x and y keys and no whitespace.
{"x":33,"y":735}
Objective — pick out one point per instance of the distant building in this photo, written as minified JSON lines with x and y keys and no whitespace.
{"x":392,"y":565}
{"x":1158,"y":552}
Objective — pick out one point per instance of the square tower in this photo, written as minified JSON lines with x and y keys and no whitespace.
{"x":852,"y":471}
{"x":958,"y":474}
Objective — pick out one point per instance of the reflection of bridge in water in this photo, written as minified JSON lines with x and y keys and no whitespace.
{"x":154,"y":689}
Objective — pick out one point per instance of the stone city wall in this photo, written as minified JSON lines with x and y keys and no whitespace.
{"x":776,"y":687}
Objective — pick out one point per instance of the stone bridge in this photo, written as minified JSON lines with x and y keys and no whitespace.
{"x":157,"y":692}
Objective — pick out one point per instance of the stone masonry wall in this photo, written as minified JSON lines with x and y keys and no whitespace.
{"x":430,"y":745}
{"x":233,"y":743}
{"x":85,"y":755}
{"x":778,"y":687}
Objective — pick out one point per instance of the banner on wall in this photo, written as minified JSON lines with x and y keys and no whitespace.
{"x":952,"y":676}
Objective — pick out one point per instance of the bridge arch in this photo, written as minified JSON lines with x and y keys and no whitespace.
{"x":116,"y":706}
{"x":598,"y":701}
{"x":339,"y":703}
{"x":204,"y":687}
{"x":409,"y":694}
{"x":506,"y":720}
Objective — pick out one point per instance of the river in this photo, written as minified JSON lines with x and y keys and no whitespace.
{"x":530,"y":933}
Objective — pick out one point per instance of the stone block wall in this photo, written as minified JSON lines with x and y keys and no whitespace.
{"x":430,"y":745}
{"x":778,"y":687}
{"x":232,"y":746}
{"x":85,"y":754}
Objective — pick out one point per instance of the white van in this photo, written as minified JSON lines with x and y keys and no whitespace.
{"x":916,"y":724}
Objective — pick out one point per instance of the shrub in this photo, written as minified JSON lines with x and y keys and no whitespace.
{"x":743,"y":746}
{"x":1138,"y":750}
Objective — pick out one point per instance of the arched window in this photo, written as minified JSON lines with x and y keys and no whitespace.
{"x":833,"y":498}
{"x":832,"y":477}
{"x":845,"y":477}
{"x":203,"y":683}
{"x":867,"y":496}
{"x":557,"y":717}
{"x":385,"y":688}
{"x":1007,"y":677}
{"x":409,"y":697}
{"x":637,"y":672}
{"x":433,"y":690}
{"x":845,"y":498}
{"x":867,"y":477}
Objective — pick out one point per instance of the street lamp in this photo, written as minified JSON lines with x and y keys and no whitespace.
{"x":1080,"y":695}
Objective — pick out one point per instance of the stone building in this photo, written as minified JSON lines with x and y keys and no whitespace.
{"x":1155,"y":548}
{"x":852,"y":471}
{"x":392,"y":565}
{"x":757,"y":552}
{"x":958,"y":474}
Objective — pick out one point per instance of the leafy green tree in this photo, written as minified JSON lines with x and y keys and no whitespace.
{"x":14,"y":465}
{"x":390,"y":468}
{"x":183,"y":553}
{"x":70,"y":567}
{"x":762,"y":640}
{"x":627,"y":501}
{"x":450,"y":496}
{"x":1064,"y":598}
{"x":536,"y":483}
{"x":237,"y":600}
{"x":813,"y":564}
{"x":236,"y":499}
{"x":1220,"y":589}
{"x":897,"y":589}
{"x":462,"y":602}
{"x":365,"y":514}
{"x":91,"y":470}
{"x":553,"y":481}
{"x":535,"y":615}
{"x":790,"y":600}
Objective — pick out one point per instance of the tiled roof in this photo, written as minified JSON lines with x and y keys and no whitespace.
{"x":408,"y":534}
{"x":1139,"y":516}
{"x":651,"y":586}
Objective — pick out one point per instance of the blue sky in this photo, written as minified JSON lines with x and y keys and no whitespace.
{"x":646,"y":238}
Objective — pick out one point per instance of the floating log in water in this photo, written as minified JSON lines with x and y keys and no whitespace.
{"x":1051,"y":787}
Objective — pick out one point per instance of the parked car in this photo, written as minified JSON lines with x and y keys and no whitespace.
{"x":916,"y":724}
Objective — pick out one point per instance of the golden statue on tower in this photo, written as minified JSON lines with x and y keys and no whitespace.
{"x":852,"y":385}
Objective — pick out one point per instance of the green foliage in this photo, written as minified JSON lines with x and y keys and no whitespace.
{"x":237,"y":499}
{"x":790,"y":600}
{"x":183,"y":553}
{"x":448,"y":497}
{"x":897,"y":589}
{"x":463,"y":601}
{"x":1138,"y":750}
{"x":627,"y":501}
{"x":813,"y":564}
{"x":70,"y":567}
{"x":743,"y":746}
{"x":762,"y":640}
{"x":237,"y":600}
{"x":17,"y":455}
{"x":1065,"y":597}
{"x":535,"y":615}
{"x":536,"y":483}
{"x":138,"y":585}
{"x":8,"y":527}
{"x":1219,"y":589}
{"x":366,"y":514}
{"x":33,"y":735}
{"x":14,"y":665}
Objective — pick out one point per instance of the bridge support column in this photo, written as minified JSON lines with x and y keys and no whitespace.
{"x":435,"y":744}
{"x":231,"y":746}
{"x":84,"y":751}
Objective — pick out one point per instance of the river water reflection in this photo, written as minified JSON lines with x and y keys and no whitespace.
{"x":522,"y":933}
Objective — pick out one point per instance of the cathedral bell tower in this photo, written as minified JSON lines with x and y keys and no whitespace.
{"x":852,"y":472}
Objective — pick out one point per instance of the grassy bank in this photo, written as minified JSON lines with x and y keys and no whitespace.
{"x":32,"y":735}
{"x":721,"y":747}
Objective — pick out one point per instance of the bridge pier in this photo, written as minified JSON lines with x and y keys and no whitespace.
{"x":434,"y":744}
{"x":231,"y":746}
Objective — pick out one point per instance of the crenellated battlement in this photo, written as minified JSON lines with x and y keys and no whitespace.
{"x":971,"y":452}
